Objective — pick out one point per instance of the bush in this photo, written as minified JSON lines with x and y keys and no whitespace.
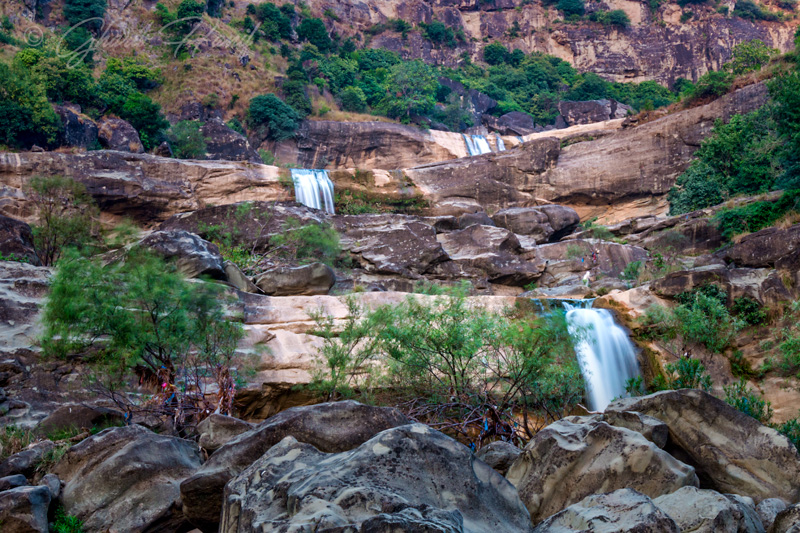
{"x":755,"y":216}
{"x":706,"y":321}
{"x":749,"y":56}
{"x":66,"y":217}
{"x":749,"y":310}
{"x":140,"y":317}
{"x":631,"y":271}
{"x":189,"y":13}
{"x":571,"y":7}
{"x":657,"y":322}
{"x":187,"y":140}
{"x":78,"y":11}
{"x":145,"y":115}
{"x":711,"y":84}
{"x":280,"y":118}
{"x":495,"y":54}
{"x":747,"y":9}
{"x":275,"y":24}
{"x":747,"y":401}
{"x":791,"y":429}
{"x":65,"y":523}
{"x":790,"y":353}
{"x":313,"y":30}
{"x":294,"y":92}
{"x":437,"y":33}
{"x":353,"y":99}
{"x":617,"y":17}
{"x":26,"y":117}
{"x":686,"y":373}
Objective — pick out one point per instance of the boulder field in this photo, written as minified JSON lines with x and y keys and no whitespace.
{"x":345,"y":466}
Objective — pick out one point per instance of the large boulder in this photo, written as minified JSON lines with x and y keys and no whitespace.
{"x":78,"y":416}
{"x":117,"y":134}
{"x":226,"y":144}
{"x":589,"y":111}
{"x":79,"y":130}
{"x":308,"y":280}
{"x":330,"y":427}
{"x":390,"y":244}
{"x":708,"y":511}
{"x":24,"y":510}
{"x":771,"y":247}
{"x":216,"y":430}
{"x":410,"y":478}
{"x":513,"y":123}
{"x":26,"y":461}
{"x":193,"y":256}
{"x":731,"y":451}
{"x":545,"y":223}
{"x":565,"y":462}
{"x":787,"y":521}
{"x":621,"y":511}
{"x":492,"y":251}
{"x":16,"y":241}
{"x":499,"y":455}
{"x":768,"y":510}
{"x":127,"y":479}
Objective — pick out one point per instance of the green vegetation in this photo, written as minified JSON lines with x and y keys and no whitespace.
{"x":757,"y":215}
{"x":686,"y":373}
{"x":631,"y":271}
{"x":705,"y":320}
{"x":615,"y":17}
{"x":280,"y":119}
{"x":749,"y":310}
{"x":65,"y":523}
{"x":791,"y":429}
{"x":187,"y":140}
{"x":748,"y":401}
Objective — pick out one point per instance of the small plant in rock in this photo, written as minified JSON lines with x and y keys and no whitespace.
{"x":65,"y":523}
{"x":575,"y":251}
{"x":748,"y":401}
{"x":635,"y":386}
{"x":749,"y":310}
{"x":791,"y":429}
{"x":686,"y":373}
{"x":631,"y":271}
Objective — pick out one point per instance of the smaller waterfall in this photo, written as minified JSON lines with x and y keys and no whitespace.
{"x":477,"y":144}
{"x":520,"y":139}
{"x":501,"y":146}
{"x":313,"y":188}
{"x":605,"y":353}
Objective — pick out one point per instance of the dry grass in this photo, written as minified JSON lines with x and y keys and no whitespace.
{"x":788,"y":220}
{"x":739,"y":236}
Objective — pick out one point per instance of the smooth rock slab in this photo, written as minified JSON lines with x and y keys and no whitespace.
{"x":24,"y":510}
{"x":410,"y":478}
{"x":707,"y":511}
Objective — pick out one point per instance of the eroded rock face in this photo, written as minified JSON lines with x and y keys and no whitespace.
{"x":707,"y":511}
{"x":770,"y":247}
{"x":79,"y":130}
{"x":567,"y":262}
{"x":216,"y":430}
{"x":499,"y":455}
{"x":193,"y":256}
{"x":24,"y":510}
{"x":127,"y":479}
{"x":308,"y":280}
{"x":424,"y":480}
{"x":566,"y":462}
{"x":545,"y":223}
{"x":768,"y":510}
{"x":225,"y":144}
{"x":330,"y":428}
{"x":787,"y":521}
{"x":589,"y":111}
{"x":731,"y":451}
{"x":117,"y":134}
{"x":16,"y":240}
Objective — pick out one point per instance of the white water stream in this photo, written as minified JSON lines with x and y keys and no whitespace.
{"x":313,"y":188}
{"x":477,"y":144}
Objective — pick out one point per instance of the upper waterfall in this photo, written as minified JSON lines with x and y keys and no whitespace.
{"x":313,"y":188}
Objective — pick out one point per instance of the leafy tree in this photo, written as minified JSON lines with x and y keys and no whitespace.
{"x":572,"y":7}
{"x":295,"y":95}
{"x":748,"y":401}
{"x":78,"y":11}
{"x":140,"y":316}
{"x":144,"y":115}
{"x":785,"y":92}
{"x":269,"y":111}
{"x":187,"y":140}
{"x":749,"y":56}
{"x":26,"y":117}
{"x":189,"y":13}
{"x":314,"y":31}
{"x":412,"y":86}
{"x":275,"y":23}
{"x":437,"y":33}
{"x":67,"y":217}
{"x":495,"y":53}
{"x":139,"y":75}
{"x":711,"y":84}
{"x":619,"y":18}
{"x":353,"y":99}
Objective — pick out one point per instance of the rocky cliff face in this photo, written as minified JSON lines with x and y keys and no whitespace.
{"x":657,"y":46}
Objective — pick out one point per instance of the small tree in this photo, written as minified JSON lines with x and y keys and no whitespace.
{"x":749,"y":56}
{"x":705,"y":320}
{"x":280,"y":118}
{"x":748,"y":401}
{"x":412,"y":86}
{"x":313,"y":30}
{"x":353,"y":99}
{"x":187,"y":140}
{"x":67,"y":216}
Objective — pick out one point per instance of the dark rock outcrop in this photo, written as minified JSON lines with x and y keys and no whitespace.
{"x":770,"y":247}
{"x":513,"y":123}
{"x":25,"y":462}
{"x":127,"y":479}
{"x":330,"y":428}
{"x":589,"y":111}
{"x":16,"y":240}
{"x":424,"y":481}
{"x":787,"y":521}
{"x":76,"y":416}
{"x":731,"y":451}
{"x":118,"y":134}
{"x":225,"y":144}
{"x":79,"y":131}
{"x":544,"y":223}
{"x":316,"y":278}
{"x":193,"y":256}
{"x":24,"y":510}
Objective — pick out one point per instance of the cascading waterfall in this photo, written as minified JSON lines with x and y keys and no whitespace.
{"x":605,"y":353}
{"x":477,"y":144}
{"x":501,"y":146}
{"x":313,"y":188}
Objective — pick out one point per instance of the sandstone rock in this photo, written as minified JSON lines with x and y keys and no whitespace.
{"x":25,"y":462}
{"x":565,"y":462}
{"x":331,"y":427}
{"x":163,"y":150}
{"x":621,"y":511}
{"x":16,"y":240}
{"x":79,"y":130}
{"x":193,"y":256}
{"x":589,"y":111}
{"x":24,"y":510}
{"x":707,"y":511}
{"x":513,"y":123}
{"x":770,"y":247}
{"x":78,"y":416}
{"x":390,"y":244}
{"x":126,"y":479}
{"x":787,"y":521}
{"x":499,"y":455}
{"x":12,"y":482}
{"x":117,"y":134}
{"x":649,"y":427}
{"x":216,"y":430}
{"x":567,"y":261}
{"x":22,"y":287}
{"x":544,"y":223}
{"x":731,"y":451}
{"x":471,"y":219}
{"x":768,"y":510}
{"x":316,"y":278}
{"x":226,"y":144}
{"x":424,"y":481}
{"x":237,"y":278}
{"x":492,"y":250}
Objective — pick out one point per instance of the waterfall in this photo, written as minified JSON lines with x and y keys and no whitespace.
{"x":313,"y":188}
{"x":605,"y":354}
{"x":501,"y":146}
{"x":476,"y":144}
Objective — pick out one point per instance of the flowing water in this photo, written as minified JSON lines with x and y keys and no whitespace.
{"x":501,"y":146}
{"x":313,"y":188}
{"x":477,"y":144}
{"x":605,"y":353}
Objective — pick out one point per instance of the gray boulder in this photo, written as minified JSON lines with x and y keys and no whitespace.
{"x":707,"y":511}
{"x":216,"y":430}
{"x":79,"y":130}
{"x":330,"y":427}
{"x":25,"y":461}
{"x":566,"y":462}
{"x":544,"y":223}
{"x":590,"y":111}
{"x":732,"y":452}
{"x":768,"y":510}
{"x":225,"y":144}
{"x":12,"y":482}
{"x":193,"y":256}
{"x":308,"y":280}
{"x":127,"y":479}
{"x":787,"y":521}
{"x":76,"y":416}
{"x":117,"y":134}
{"x":621,"y":511}
{"x":16,"y":240}
{"x":24,"y":510}
{"x":410,"y":478}
{"x":499,"y":455}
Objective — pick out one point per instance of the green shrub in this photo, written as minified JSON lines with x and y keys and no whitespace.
{"x":313,"y":30}
{"x":78,"y":11}
{"x":658,"y":322}
{"x":353,"y":99}
{"x":631,"y":271}
{"x":755,"y":216}
{"x":791,"y":429}
{"x":706,"y":321}
{"x":748,"y":401}
{"x":571,"y":7}
{"x":749,"y":310}
{"x":437,"y":33}
{"x":712,"y":84}
{"x":269,"y":111}
{"x":26,"y":117}
{"x":307,"y":243}
{"x":617,"y":17}
{"x":790,"y":353}
{"x":187,"y":140}
{"x":65,"y":523}
{"x":189,"y":13}
{"x":495,"y":53}
{"x":749,"y":56}
{"x":747,"y":9}
{"x":686,"y":373}
{"x":294,"y":92}
{"x":145,"y":115}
